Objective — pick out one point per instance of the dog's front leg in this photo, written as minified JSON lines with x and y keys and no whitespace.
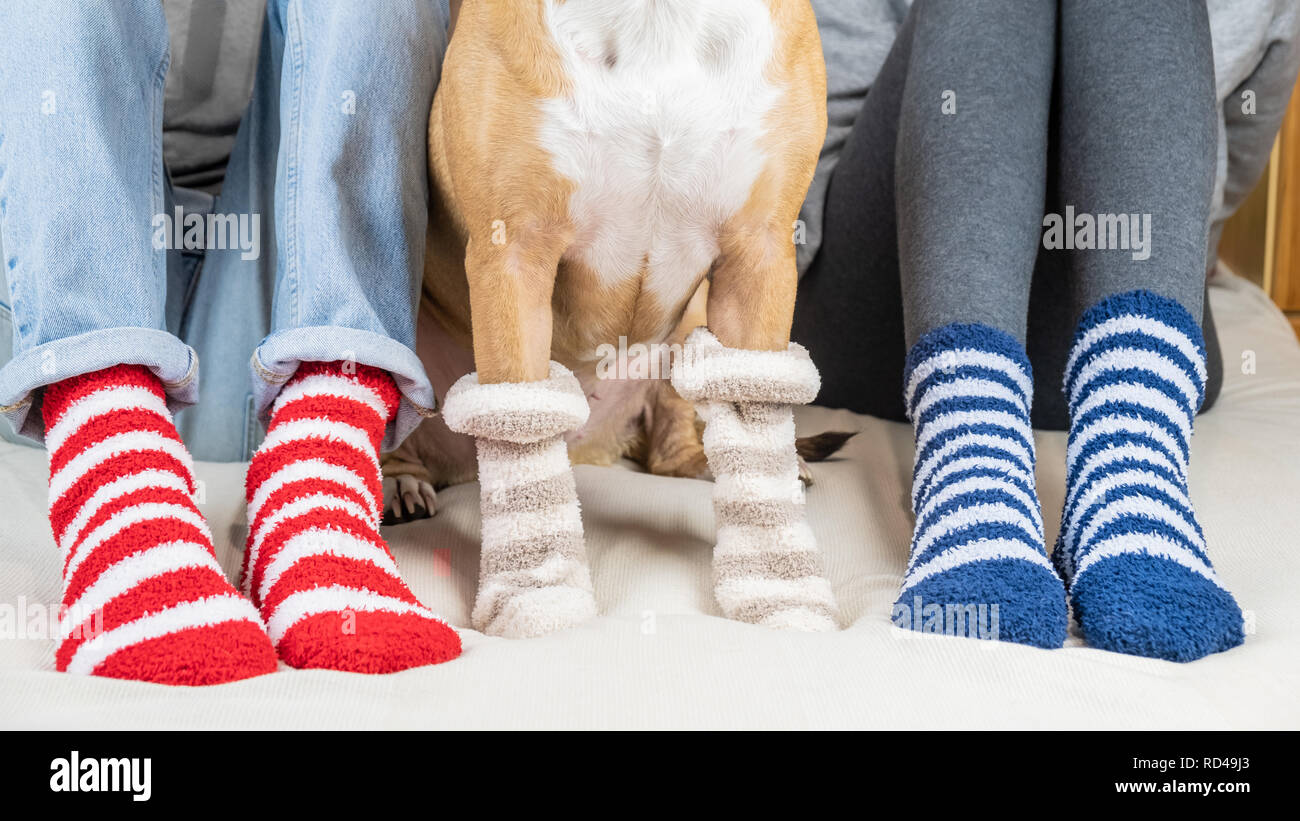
{"x":744,"y":375}
{"x":518,"y":405}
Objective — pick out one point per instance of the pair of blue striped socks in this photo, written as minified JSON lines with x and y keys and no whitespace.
{"x":1130,"y":549}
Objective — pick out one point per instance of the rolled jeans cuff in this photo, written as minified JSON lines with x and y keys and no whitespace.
{"x":174,"y":363}
{"x":276,"y":360}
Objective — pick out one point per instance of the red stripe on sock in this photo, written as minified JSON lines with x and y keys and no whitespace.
{"x":123,"y":464}
{"x":266,"y":464}
{"x":56,"y":398}
{"x":131,"y":540}
{"x":324,"y":569}
{"x":333,"y":409}
{"x":150,"y":495}
{"x":301,"y":488}
{"x":377,"y":379}
{"x":214,"y":654}
{"x":151,"y":595}
{"x":113,"y":423}
{"x":320,"y":519}
{"x":379,"y":642}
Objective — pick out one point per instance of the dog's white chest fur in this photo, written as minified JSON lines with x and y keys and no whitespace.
{"x":662,"y":132}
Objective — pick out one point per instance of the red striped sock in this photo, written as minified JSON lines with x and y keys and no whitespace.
{"x":143,"y":595}
{"x":315,"y":564}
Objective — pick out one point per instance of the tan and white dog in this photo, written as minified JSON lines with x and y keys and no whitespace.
{"x":606,"y":170}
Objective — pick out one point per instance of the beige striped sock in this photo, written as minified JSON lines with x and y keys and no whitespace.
{"x":767,"y":568}
{"x":533,"y":573}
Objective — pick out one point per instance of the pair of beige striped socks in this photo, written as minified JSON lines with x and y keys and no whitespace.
{"x":534,"y":575}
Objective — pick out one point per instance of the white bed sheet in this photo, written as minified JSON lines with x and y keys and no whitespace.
{"x":659,"y":655}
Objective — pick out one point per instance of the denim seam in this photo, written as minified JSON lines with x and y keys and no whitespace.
{"x":189,"y":375}
{"x":158,"y":172}
{"x":293,"y":38}
{"x":22,"y":403}
{"x":266,"y":374}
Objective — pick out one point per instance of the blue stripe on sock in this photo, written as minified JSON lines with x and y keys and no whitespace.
{"x":979,"y":532}
{"x":1112,"y":468}
{"x":971,"y":336}
{"x":1138,"y":490}
{"x":1142,"y":303}
{"x":994,"y":454}
{"x":979,"y":429}
{"x":968,"y":371}
{"x":1135,"y":376}
{"x":1108,"y":441}
{"x":984,"y":471}
{"x":1133,"y":341}
{"x":1131,"y":410}
{"x":969,"y":404}
{"x":981,"y":496}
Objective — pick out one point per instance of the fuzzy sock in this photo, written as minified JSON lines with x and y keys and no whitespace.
{"x":315,"y":563}
{"x":144,"y":596}
{"x":534,"y":577}
{"x":1130,"y":545}
{"x":766,"y":566}
{"x":977,"y":550}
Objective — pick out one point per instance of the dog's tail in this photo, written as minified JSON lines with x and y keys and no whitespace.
{"x":823,"y":446}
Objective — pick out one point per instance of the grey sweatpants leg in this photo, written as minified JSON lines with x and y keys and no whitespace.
{"x":984,"y":117}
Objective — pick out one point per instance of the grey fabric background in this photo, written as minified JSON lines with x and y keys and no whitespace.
{"x":214,"y":45}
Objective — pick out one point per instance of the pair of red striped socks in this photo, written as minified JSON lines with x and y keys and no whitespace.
{"x":143,"y":595}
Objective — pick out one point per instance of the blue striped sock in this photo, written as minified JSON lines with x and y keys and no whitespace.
{"x":1130,"y":546}
{"x":978,"y":541}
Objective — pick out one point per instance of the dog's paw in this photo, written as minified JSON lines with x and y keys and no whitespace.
{"x":407,"y":499}
{"x":531,"y":612}
{"x":773,"y":591}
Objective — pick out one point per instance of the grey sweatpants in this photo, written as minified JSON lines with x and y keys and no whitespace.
{"x":986,"y":118}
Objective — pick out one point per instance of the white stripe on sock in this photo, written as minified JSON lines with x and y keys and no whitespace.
{"x":521,"y":526}
{"x":1127,"y":358}
{"x":1128,"y":477}
{"x":1123,"y":424}
{"x":949,"y":422}
{"x":104,"y":494}
{"x":63,"y":480}
{"x":976,"y":552}
{"x":1140,"y":506}
{"x":968,"y":387}
{"x":1102,"y":458}
{"x":975,"y":483}
{"x":98,"y":403}
{"x":967,"y":357}
{"x":1003,"y":464}
{"x":1149,"y":544}
{"x":130,"y":573}
{"x":981,"y":514}
{"x":308,"y":469}
{"x":321,"y":542}
{"x":922,"y":471}
{"x":299,"y":429}
{"x":127,"y":517}
{"x":1132,"y":393}
{"x":334,"y":599}
{"x":204,"y":612}
{"x":1142,"y":324}
{"x":330,"y":385}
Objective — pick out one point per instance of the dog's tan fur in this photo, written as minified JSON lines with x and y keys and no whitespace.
{"x":521,"y":303}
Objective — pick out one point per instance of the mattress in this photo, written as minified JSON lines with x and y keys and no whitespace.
{"x":660,"y":656}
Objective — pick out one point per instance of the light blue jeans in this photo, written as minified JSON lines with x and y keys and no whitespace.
{"x":329,"y":174}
